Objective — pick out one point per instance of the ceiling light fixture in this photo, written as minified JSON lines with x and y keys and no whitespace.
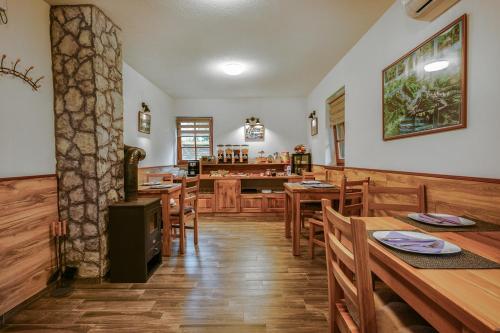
{"x":436,"y":66}
{"x":233,"y":68}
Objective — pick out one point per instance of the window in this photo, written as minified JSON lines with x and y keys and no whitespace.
{"x":336,"y":106}
{"x":194,"y":138}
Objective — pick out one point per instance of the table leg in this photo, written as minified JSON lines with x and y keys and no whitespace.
{"x":165,"y":204}
{"x":287,"y":215}
{"x":296,"y":224}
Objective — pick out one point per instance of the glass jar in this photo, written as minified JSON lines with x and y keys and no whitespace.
{"x":228,"y":157}
{"x":244,"y":153}
{"x":236,"y":153}
{"x":220,"y":153}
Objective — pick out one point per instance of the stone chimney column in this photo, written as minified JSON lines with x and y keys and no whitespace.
{"x":88,"y":106}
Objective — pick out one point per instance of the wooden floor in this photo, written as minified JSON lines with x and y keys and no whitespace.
{"x":242,"y":279}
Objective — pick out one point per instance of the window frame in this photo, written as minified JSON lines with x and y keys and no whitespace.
{"x":178,"y":121}
{"x":338,"y":160}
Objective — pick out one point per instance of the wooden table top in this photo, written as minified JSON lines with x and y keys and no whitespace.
{"x":298,"y":187}
{"x":473,"y":294}
{"x":149,"y":190}
{"x":249,"y":177}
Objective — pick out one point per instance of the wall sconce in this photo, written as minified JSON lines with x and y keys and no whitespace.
{"x":145,"y":119}
{"x":254,"y":130}
{"x":3,"y":13}
{"x":314,"y":123}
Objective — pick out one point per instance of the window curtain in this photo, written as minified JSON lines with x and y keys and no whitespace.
{"x":337,"y":111}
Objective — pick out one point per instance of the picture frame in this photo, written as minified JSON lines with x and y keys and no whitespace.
{"x":254,"y":130}
{"x":144,"y":120}
{"x":314,"y":123}
{"x":425,"y":91}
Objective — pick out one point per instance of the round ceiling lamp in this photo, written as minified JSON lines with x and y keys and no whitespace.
{"x":233,"y":68}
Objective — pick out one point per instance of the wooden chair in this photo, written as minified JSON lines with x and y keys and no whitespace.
{"x":162,"y":177}
{"x":186,"y":211}
{"x":350,"y":204}
{"x":308,"y":207}
{"x":353,"y":305}
{"x":400,"y":193}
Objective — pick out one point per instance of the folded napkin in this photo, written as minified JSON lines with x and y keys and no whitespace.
{"x":410,"y":243}
{"x":449,"y":220}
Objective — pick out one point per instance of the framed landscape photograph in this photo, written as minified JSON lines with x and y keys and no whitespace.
{"x":425,"y":91}
{"x":314,"y":123}
{"x":144,"y":119}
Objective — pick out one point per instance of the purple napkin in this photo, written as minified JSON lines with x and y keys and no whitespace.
{"x":449,"y":220}
{"x":405,"y":242}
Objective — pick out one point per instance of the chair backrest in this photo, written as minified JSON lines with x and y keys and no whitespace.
{"x":351,"y":196}
{"x":189,"y":193}
{"x":162,"y":177}
{"x":400,"y":193}
{"x":350,"y":293}
{"x":308,"y":175}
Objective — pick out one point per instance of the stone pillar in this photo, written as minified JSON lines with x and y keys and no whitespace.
{"x":88,"y":106}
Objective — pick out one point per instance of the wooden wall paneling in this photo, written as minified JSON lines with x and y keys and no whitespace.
{"x":27,"y":256}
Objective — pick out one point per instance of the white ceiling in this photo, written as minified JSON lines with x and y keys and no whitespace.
{"x":289,"y":45}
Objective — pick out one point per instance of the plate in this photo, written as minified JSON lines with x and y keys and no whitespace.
{"x":323,"y":185}
{"x":159,"y":187}
{"x":443,"y":220}
{"x":310,"y":182}
{"x":415,"y":242}
{"x":151,"y":183}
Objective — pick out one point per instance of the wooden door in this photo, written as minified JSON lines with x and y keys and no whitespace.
{"x":227,"y":195}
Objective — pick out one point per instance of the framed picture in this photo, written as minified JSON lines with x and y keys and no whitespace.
{"x":314,"y":123}
{"x":254,"y":130}
{"x":144,"y":120}
{"x":425,"y":91}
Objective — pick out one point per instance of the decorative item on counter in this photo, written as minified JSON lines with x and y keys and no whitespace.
{"x":228,"y":157}
{"x":276,"y":158}
{"x":268,"y":172}
{"x":288,"y":170}
{"x":220,"y":154}
{"x":261,"y":158}
{"x":285,"y":157}
{"x":244,"y":153}
{"x":269,"y":158}
{"x":273,"y":172}
{"x":209,"y":159}
{"x":144,"y":119}
{"x":254,"y":130}
{"x":236,"y":153}
{"x":300,"y":149}
{"x":314,"y":123}
{"x":12,"y":70}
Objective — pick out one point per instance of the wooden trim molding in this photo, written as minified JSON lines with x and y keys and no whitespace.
{"x":27,"y":177}
{"x":330,"y":167}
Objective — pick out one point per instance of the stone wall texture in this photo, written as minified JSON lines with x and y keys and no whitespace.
{"x":88,"y":106}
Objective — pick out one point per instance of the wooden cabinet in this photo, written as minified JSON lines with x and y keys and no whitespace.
{"x":206,"y":203}
{"x":227,"y":195}
{"x":252,"y":203}
{"x":274,"y":203}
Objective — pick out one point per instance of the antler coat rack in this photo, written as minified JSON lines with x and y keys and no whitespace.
{"x":35,"y":84}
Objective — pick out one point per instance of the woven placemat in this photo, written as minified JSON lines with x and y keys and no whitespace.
{"x":479,"y":226}
{"x":463,"y":260}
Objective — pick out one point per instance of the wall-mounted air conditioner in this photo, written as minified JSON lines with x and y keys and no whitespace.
{"x":427,"y":10}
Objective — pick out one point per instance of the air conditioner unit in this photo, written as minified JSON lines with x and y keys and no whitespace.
{"x":427,"y":10}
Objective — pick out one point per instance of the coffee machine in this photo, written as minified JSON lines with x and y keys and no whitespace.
{"x":193,"y":168}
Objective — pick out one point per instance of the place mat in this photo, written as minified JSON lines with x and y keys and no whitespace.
{"x":479,"y":226}
{"x":462,"y":260}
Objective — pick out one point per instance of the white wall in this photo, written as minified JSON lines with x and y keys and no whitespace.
{"x":469,"y":152}
{"x":160,"y":144}
{"x":26,"y":117}
{"x":283,"y":118}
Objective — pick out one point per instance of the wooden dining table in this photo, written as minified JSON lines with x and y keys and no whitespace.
{"x":165,"y":194}
{"x":451,"y":300}
{"x":294,"y":194}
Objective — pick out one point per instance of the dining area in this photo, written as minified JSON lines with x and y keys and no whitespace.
{"x":444,"y":268}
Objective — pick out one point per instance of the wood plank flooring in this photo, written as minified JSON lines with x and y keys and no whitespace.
{"x":242,"y":278}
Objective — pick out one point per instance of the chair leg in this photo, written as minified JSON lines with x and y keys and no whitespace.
{"x":182,"y":235}
{"x":195,"y":226}
{"x":311,"y":240}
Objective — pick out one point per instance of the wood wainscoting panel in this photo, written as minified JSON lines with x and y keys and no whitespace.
{"x":475,"y":197}
{"x":27,"y":257}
